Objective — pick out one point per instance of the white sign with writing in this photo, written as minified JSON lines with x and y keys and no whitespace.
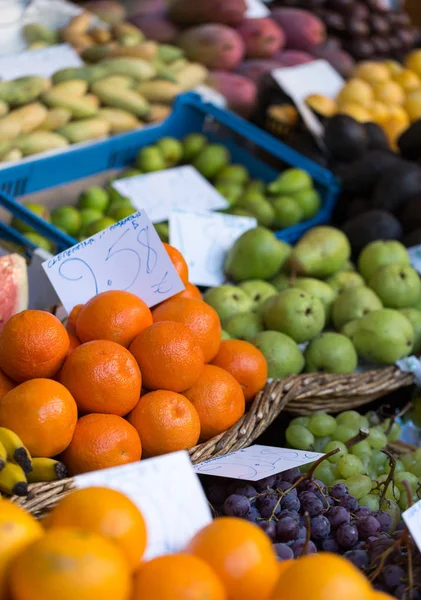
{"x":158,"y":193}
{"x":412,"y":518}
{"x":127,"y":256}
{"x":256,"y":462}
{"x":256,"y":9}
{"x":43,"y":62}
{"x":204,"y":238}
{"x":167,"y":492}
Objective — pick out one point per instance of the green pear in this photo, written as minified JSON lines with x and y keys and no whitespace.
{"x":258,"y":290}
{"x":331,"y":353}
{"x":343,"y":280}
{"x":256,"y":254}
{"x":225,"y":335}
{"x":281,"y":352}
{"x":287,"y":212}
{"x":318,"y":289}
{"x":243,"y":326}
{"x":211,"y":160}
{"x":290,"y":182}
{"x":281,"y":281}
{"x":233,"y":174}
{"x":256,"y":186}
{"x":260,"y":208}
{"x":320,"y":252}
{"x":417,"y":304}
{"x":354,"y":303}
{"x":349,"y":266}
{"x":39,"y":241}
{"x":397,"y":286}
{"x":150,"y":159}
{"x":379,"y":254}
{"x":350,"y":328}
{"x":231,"y":191}
{"x":384,"y":336}
{"x":240,"y":212}
{"x":309,"y":201}
{"x":414,"y":317}
{"x":228,"y":300}
{"x":295,"y":313}
{"x":171,"y":149}
{"x":193,"y":144}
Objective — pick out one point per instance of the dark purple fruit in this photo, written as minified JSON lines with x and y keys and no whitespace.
{"x":379,"y":25}
{"x":332,"y":43}
{"x":341,"y":5}
{"x":357,"y":29}
{"x":381,"y":45}
{"x":401,"y":19}
{"x":360,"y":11}
{"x":378,"y":5}
{"x":395,"y":43}
{"x":334,"y":21}
{"x":407,"y":36}
{"x":360,"y":49}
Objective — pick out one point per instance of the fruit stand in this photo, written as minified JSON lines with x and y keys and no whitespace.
{"x":210,"y":300}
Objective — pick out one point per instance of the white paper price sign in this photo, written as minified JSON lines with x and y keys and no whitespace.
{"x":412,"y":518}
{"x":127,"y":256}
{"x":204,"y":238}
{"x":256,"y":9}
{"x":415,"y":257}
{"x":43,"y":62}
{"x":158,"y":193}
{"x":167,"y":492}
{"x":256,"y":462}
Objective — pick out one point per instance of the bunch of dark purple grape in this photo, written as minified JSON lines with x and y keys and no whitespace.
{"x":301,"y":516}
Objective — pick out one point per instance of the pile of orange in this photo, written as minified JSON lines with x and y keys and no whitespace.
{"x":121,"y":380}
{"x":93,"y":542}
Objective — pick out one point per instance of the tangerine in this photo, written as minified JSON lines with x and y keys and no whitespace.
{"x":43,"y":413}
{"x":6,"y":384}
{"x":190,"y":291}
{"x":17,"y":529}
{"x":33,"y":344}
{"x":115,"y":315}
{"x":166,"y":422}
{"x":321,"y":576}
{"x":177,"y":577}
{"x":178,"y":261}
{"x":101,"y":441}
{"x":106,"y":512}
{"x":169,"y":356}
{"x":241,"y":554}
{"x":218,"y":399}
{"x":198,"y":316}
{"x":377,"y":595}
{"x":74,"y":342}
{"x":72,"y":318}
{"x":66,"y":564}
{"x":246,"y":364}
{"x":103,"y":377}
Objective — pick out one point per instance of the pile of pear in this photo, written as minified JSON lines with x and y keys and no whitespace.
{"x":309,"y":308}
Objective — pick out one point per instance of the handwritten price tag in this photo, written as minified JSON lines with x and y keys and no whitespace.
{"x":167,"y":492}
{"x":43,"y":62}
{"x":412,"y":518}
{"x":256,"y":462}
{"x":204,"y":238}
{"x":127,"y":256}
{"x":158,"y":193}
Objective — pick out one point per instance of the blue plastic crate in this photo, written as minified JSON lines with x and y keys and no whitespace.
{"x":263,"y":156}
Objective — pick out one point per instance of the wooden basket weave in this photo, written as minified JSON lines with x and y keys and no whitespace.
{"x":297,"y":394}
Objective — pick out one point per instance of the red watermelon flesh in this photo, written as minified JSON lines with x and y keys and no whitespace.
{"x":13,"y":286}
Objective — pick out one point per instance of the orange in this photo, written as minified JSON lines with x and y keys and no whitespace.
{"x":33,"y":343}
{"x":218,"y":399}
{"x":74,"y":342}
{"x":115,"y":315}
{"x":321,"y":576}
{"x":42,"y":413}
{"x":72,"y":318}
{"x":246,"y":363}
{"x":169,"y":356}
{"x":6,"y":384}
{"x":177,"y":577}
{"x":107,"y":512}
{"x":178,"y":261}
{"x":70,"y":564}
{"x":242,"y":556}
{"x":17,"y":529}
{"x":102,"y":441}
{"x":103,"y":377}
{"x":166,"y":422}
{"x":376,"y":595}
{"x":190,"y":291}
{"x":199,"y":317}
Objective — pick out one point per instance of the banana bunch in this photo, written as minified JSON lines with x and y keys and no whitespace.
{"x":18,"y":468}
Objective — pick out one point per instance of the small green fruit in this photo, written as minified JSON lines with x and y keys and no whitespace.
{"x":281,"y":352}
{"x":67,"y":218}
{"x":94,"y":197}
{"x":331,"y":353}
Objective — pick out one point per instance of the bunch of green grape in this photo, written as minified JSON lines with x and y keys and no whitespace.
{"x":362,"y":466}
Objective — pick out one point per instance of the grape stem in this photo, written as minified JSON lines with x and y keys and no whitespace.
{"x":397,"y":416}
{"x":361,"y":435}
{"x":308,"y":534}
{"x":314,"y":466}
{"x":391,"y":475}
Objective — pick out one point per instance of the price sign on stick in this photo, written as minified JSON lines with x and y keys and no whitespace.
{"x":43,"y":62}
{"x":127,"y":256}
{"x":412,"y":518}
{"x":167,"y":492}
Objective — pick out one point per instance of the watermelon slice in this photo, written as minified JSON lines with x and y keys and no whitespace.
{"x":13,"y":286}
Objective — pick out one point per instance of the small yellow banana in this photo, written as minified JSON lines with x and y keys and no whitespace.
{"x":46,"y":469}
{"x":13,"y":480}
{"x":3,"y":456}
{"x":16,"y":451}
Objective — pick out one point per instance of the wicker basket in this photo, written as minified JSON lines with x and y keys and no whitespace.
{"x":297,"y":394}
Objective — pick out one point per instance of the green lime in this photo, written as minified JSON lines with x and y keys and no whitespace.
{"x":39,"y":210}
{"x":97,"y":226}
{"x":94,"y":197}
{"x":67,"y":218}
{"x":87,"y":215}
{"x":39,"y":241}
{"x":120,"y":212}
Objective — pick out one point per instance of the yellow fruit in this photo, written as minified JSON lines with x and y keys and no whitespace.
{"x":413,"y":61}
{"x":412,"y":105}
{"x":394,"y":129}
{"x":379,"y":111}
{"x":322,"y":105}
{"x":389,"y":92}
{"x":393,"y":66}
{"x":407,"y":79}
{"x":356,"y":91}
{"x":371,"y":72}
{"x":356,"y":111}
{"x":397,"y":113}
